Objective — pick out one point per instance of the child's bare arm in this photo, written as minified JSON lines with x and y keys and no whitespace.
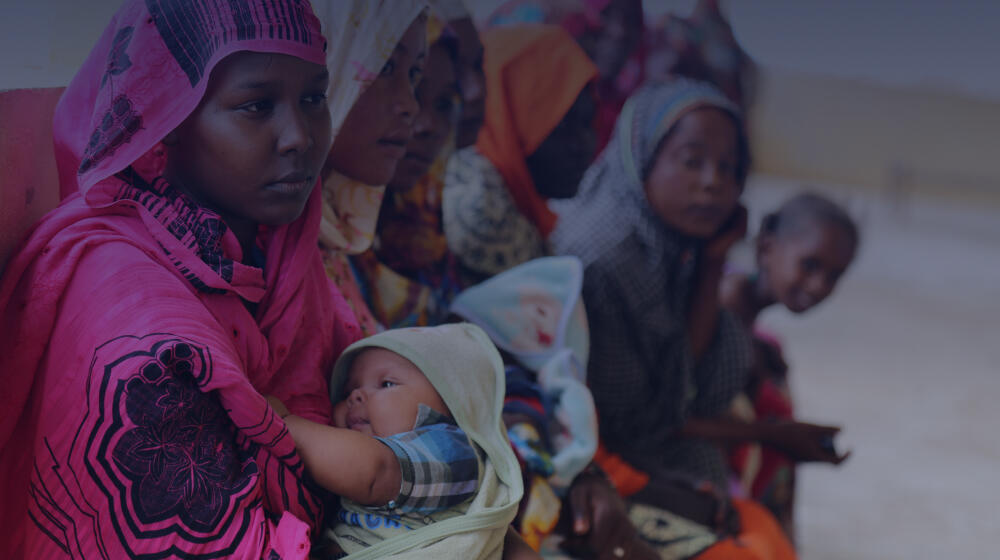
{"x":347,"y":463}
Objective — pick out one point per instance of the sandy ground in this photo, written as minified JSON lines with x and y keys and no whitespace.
{"x":906,"y":356}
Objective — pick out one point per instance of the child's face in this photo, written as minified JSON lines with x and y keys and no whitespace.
{"x":253,"y":149}
{"x":693,"y":185}
{"x":802,"y":269}
{"x":384,"y":391}
{"x":374,"y":134}
{"x":437,"y":95}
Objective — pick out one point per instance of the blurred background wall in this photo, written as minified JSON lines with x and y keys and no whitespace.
{"x":884,"y":94}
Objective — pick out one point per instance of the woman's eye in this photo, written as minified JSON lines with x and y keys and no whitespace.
{"x":416,"y":74}
{"x":257,"y":107}
{"x":315,"y":99}
{"x":444,"y":106}
{"x":388,"y":68}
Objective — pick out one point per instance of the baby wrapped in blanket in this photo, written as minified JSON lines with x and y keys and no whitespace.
{"x":418,"y":451}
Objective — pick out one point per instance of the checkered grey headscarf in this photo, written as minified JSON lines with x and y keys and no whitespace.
{"x":614,"y":183}
{"x":638,"y":279}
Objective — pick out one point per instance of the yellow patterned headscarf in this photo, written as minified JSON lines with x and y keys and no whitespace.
{"x":361,"y":35}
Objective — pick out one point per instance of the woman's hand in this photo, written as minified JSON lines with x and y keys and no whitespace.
{"x":599,"y":523}
{"x":805,"y":442}
{"x":731,"y":233}
{"x":700,"y":502}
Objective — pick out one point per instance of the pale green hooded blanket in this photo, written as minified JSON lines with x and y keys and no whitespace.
{"x":465,"y":368}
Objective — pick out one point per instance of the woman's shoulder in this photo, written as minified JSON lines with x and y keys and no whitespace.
{"x":596,"y":230}
{"x":92,"y":255}
{"x":608,"y":253}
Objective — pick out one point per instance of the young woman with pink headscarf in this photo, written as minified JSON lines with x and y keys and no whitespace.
{"x":145,"y":316}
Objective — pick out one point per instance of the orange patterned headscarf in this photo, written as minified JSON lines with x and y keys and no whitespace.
{"x":534,"y":73}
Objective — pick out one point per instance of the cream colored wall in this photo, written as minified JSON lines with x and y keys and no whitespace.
{"x":806,"y":127}
{"x":44,"y":42}
{"x":840,"y":131}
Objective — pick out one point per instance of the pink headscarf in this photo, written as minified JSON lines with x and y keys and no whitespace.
{"x":133,"y":418}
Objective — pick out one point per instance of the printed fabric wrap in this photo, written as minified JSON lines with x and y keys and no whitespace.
{"x":535,"y":313}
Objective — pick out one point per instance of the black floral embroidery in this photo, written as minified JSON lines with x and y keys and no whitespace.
{"x":117,"y":127}
{"x":118,"y":60}
{"x":180,"y":454}
{"x":178,"y":477}
{"x":199,"y":229}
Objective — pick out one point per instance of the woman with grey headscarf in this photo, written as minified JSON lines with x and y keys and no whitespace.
{"x":652,"y":223}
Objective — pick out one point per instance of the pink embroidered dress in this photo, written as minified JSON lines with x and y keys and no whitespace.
{"x":132,"y":369}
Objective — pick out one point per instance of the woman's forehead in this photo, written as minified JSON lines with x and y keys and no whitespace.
{"x":253,"y":70}
{"x":704,"y":127}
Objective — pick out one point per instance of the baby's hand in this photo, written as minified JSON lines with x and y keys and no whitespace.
{"x":279,"y":407}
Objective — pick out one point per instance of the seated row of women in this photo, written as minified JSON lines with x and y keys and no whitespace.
{"x":206,"y":349}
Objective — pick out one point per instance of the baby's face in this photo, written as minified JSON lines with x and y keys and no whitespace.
{"x":383,"y":393}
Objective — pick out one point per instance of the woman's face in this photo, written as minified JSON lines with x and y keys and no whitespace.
{"x":801,"y":269}
{"x":373,"y":137}
{"x":693,"y":185}
{"x":559,"y":162}
{"x":253,"y":149}
{"x":471,"y":81}
{"x":437,"y":95}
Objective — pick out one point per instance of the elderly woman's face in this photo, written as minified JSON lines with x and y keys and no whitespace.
{"x":693,"y":185}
